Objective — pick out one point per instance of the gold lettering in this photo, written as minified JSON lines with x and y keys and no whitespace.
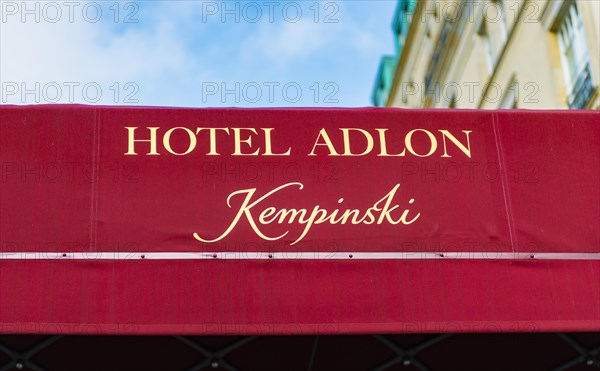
{"x":268,"y":212}
{"x":303,"y":217}
{"x":268,"y":150}
{"x":405,"y":215}
{"x":237,"y":137}
{"x":212,"y":139}
{"x":383,"y":143}
{"x":323,"y":134}
{"x":131,"y":141}
{"x":293,"y":213}
{"x":346,"y":134}
{"x":355,"y":216}
{"x":167,"y":141}
{"x":245,"y":209}
{"x":408,"y":142}
{"x":465,"y":149}
{"x":308,"y":223}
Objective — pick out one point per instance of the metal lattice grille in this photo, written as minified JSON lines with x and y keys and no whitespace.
{"x":365,"y":352}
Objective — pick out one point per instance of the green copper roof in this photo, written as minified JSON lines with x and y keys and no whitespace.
{"x":387,"y":67}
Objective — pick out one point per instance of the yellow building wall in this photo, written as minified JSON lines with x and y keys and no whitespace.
{"x":530,"y":57}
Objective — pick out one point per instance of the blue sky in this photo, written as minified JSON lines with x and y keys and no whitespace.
{"x":194,"y":53}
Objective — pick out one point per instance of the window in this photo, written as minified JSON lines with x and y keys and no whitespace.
{"x":493,"y":32}
{"x":502,"y":20}
{"x":509,"y":101}
{"x":487,"y":47}
{"x":575,"y":58}
{"x":401,"y":22}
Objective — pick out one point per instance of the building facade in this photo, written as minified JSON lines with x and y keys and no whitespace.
{"x":491,"y":54}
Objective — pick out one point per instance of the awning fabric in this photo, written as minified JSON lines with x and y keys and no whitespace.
{"x":139,"y":220}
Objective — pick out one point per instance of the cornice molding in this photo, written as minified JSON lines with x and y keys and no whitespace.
{"x":406,"y":49}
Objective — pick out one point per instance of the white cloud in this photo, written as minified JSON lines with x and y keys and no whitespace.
{"x":285,"y":42}
{"x":171,"y":52}
{"x":154,"y":58}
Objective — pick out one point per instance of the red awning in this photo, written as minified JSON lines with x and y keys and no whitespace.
{"x":270,"y":221}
